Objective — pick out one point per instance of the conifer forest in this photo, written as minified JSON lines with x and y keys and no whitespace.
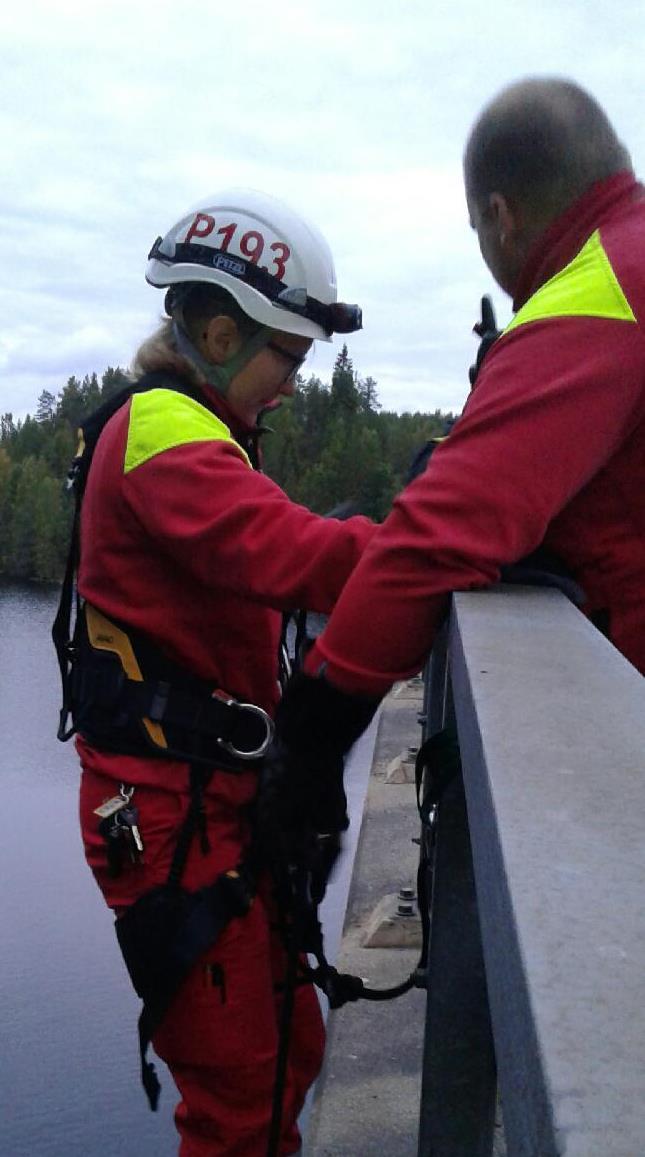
{"x":330,"y":444}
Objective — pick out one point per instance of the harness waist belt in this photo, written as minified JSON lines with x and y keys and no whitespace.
{"x":129,"y":698}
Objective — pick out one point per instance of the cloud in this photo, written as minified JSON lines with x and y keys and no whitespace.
{"x":116,"y":116}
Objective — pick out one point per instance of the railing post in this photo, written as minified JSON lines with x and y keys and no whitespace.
{"x":459,"y":1077}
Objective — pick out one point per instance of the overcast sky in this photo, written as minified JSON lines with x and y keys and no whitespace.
{"x":115,"y":117}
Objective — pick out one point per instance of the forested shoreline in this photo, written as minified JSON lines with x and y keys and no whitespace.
{"x":331,"y":443}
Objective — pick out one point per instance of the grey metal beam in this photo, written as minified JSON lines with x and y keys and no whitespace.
{"x":551,"y":724}
{"x":459,"y":1080}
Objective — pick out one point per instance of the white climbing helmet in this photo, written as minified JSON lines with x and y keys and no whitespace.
{"x":276,"y":265}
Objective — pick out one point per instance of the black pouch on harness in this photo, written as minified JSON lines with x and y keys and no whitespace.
{"x":149,"y":933}
{"x":162,"y":935}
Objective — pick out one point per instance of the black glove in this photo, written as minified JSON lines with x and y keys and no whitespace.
{"x":302,"y":808}
{"x":542,"y":568}
{"x":423,"y":456}
{"x":487,"y":330}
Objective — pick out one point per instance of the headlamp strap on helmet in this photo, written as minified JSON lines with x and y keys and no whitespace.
{"x":335,"y":318}
{"x":220,"y":376}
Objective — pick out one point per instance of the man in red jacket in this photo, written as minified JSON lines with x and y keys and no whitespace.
{"x":550,"y":448}
{"x":189,"y":556}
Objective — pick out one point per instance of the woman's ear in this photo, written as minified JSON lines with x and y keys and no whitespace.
{"x":219,"y":339}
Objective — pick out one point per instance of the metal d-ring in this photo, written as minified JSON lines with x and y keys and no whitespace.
{"x":258,"y":751}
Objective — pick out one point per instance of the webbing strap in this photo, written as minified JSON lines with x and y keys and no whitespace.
{"x":284,"y":1041}
{"x":243,"y":726}
{"x":91,"y":428}
{"x":61,"y":629}
{"x":195,"y":817}
{"x":162,"y":935}
{"x":437,"y":763}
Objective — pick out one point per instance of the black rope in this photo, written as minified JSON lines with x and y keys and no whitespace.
{"x":342,"y":988}
{"x":437,"y":764}
{"x":284,"y":1041}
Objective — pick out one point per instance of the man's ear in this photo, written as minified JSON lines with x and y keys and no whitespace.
{"x":220,"y":339}
{"x":505,"y":218}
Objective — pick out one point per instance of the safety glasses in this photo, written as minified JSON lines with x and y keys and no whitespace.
{"x":294,"y":361}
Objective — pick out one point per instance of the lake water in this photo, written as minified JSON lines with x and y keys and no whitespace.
{"x":69,"y":1067}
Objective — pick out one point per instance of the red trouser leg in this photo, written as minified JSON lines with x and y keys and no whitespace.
{"x":220,"y":1036}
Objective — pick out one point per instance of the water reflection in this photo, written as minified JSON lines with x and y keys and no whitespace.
{"x":69,"y":1075}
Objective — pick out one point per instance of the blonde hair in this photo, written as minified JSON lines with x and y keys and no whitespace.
{"x":198,"y":303}
{"x":159,"y":352}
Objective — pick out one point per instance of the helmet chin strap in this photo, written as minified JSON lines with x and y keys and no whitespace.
{"x":220,"y":376}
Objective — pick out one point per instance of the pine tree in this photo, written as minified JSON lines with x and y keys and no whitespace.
{"x":71,"y":403}
{"x":113,"y":380}
{"x":29,"y":439}
{"x":46,"y":407}
{"x":5,"y":504}
{"x":7,"y":429}
{"x":344,"y":394}
{"x":368,"y":395}
{"x":91,"y":392}
{"x":47,"y":527}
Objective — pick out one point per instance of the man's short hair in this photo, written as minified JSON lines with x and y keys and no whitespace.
{"x":541,"y":143}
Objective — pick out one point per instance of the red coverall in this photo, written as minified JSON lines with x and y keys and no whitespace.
{"x":182,"y":540}
{"x":550,"y":448}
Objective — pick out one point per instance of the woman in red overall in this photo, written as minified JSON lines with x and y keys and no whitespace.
{"x":186,"y":544}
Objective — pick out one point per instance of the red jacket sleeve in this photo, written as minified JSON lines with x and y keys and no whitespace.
{"x":234,"y":529}
{"x":553,"y":402}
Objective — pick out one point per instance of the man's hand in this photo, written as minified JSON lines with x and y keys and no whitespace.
{"x":302,"y":808}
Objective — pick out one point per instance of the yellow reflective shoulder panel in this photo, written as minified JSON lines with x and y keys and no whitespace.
{"x":162,"y":419}
{"x":586,"y":287}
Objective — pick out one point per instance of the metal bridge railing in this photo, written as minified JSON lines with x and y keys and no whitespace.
{"x":537,"y":963}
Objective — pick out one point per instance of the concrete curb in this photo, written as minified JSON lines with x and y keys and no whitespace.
{"x":366,"y":1102}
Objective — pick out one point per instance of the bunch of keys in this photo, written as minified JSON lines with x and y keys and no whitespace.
{"x":118,"y":826}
